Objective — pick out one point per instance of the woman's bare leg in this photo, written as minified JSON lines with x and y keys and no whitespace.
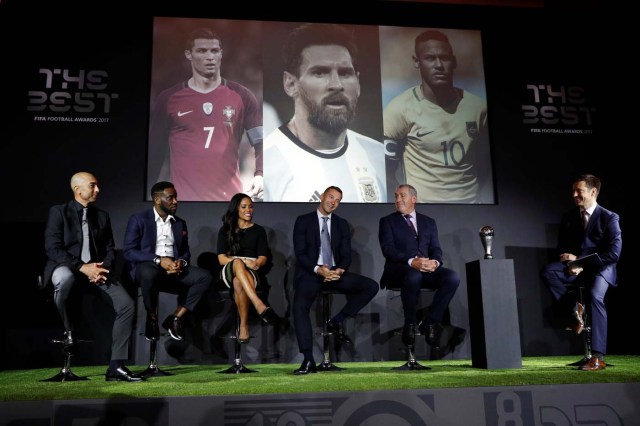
{"x":246,"y":281}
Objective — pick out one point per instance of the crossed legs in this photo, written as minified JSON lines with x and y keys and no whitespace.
{"x":244,"y":292}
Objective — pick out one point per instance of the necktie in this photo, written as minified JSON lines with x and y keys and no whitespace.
{"x":325,"y":243}
{"x":585,"y":218}
{"x":413,"y":228}
{"x":86,"y":252}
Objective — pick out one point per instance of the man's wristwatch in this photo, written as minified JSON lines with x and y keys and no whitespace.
{"x":156,"y":260}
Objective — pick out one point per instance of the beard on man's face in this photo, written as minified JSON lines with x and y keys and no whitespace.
{"x":168,"y":208}
{"x":327,"y":119}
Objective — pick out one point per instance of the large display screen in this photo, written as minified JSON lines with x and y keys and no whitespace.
{"x":282,"y":110}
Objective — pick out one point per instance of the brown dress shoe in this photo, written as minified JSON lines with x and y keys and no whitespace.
{"x":594,"y":364}
{"x":578,"y":314}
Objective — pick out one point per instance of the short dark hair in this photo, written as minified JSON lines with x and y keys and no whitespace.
{"x":312,"y":34}
{"x":204,"y":33}
{"x":431,"y":35}
{"x":160,"y":187}
{"x":591,"y":181}
{"x":334,"y":188}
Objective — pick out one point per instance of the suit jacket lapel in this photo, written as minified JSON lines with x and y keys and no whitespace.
{"x":92,"y":221}
{"x":177,"y":237}
{"x":593,"y":218}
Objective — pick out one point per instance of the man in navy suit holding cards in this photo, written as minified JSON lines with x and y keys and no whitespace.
{"x":587,"y":228}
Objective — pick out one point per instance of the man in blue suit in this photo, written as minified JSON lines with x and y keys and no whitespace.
{"x":156,"y":245}
{"x":413,"y":260}
{"x":320,"y":266}
{"x":587,"y":228}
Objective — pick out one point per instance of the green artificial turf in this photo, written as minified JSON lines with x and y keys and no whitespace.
{"x":201,"y":380}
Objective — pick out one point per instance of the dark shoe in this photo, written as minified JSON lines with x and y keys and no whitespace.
{"x":173,"y":325}
{"x":306,"y":367}
{"x":409,"y":335}
{"x":269,"y":317}
{"x":578,"y":315}
{"x":69,"y":344}
{"x":336,"y":330}
{"x":122,"y":374}
{"x":432,"y":334}
{"x":594,"y":364}
{"x":457,"y":337}
{"x":151,"y":329}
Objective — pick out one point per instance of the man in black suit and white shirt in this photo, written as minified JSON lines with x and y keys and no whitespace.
{"x":314,"y":273}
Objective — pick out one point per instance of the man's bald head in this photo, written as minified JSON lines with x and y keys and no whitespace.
{"x":85,"y":187}
{"x":80,"y":178}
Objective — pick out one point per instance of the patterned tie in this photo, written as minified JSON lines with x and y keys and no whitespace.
{"x":585,"y":218}
{"x":86,"y":252}
{"x":413,"y":228}
{"x":325,"y":243}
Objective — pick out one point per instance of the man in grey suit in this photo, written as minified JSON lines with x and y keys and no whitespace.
{"x":78,"y":240}
{"x":323,"y":263}
{"x":413,"y":260}
{"x":587,"y":228}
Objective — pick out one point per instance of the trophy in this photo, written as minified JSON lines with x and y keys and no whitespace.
{"x":486,"y":237}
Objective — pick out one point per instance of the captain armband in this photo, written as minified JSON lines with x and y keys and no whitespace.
{"x":391,"y":149}
{"x":255,"y":135}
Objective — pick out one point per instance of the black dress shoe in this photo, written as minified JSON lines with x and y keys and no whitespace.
{"x":173,"y":325}
{"x":306,"y":367}
{"x":151,"y":329}
{"x":122,"y":374}
{"x":336,"y":330}
{"x":269,"y":316}
{"x":432,"y":334}
{"x":409,"y":335}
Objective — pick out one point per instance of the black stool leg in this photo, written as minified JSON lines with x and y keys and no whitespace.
{"x":65,"y":374}
{"x":153,"y":369}
{"x":411,"y":363}
{"x":326,"y":364}
{"x":586,"y":333}
{"x":237,"y":367}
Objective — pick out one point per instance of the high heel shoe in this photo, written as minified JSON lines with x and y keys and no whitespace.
{"x":269,"y":316}
{"x":243,"y":341}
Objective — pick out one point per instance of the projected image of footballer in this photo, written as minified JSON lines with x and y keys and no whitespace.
{"x":196,"y":128}
{"x":436,"y":134}
{"x":315,"y":149}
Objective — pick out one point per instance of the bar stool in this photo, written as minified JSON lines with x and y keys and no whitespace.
{"x":586,"y":332}
{"x":153,"y":370}
{"x":209,"y":261}
{"x":237,"y":367}
{"x":411,"y":364}
{"x":65,"y":374}
{"x":326,"y":364}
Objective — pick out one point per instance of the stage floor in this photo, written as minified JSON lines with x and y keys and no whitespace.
{"x":544,"y":391}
